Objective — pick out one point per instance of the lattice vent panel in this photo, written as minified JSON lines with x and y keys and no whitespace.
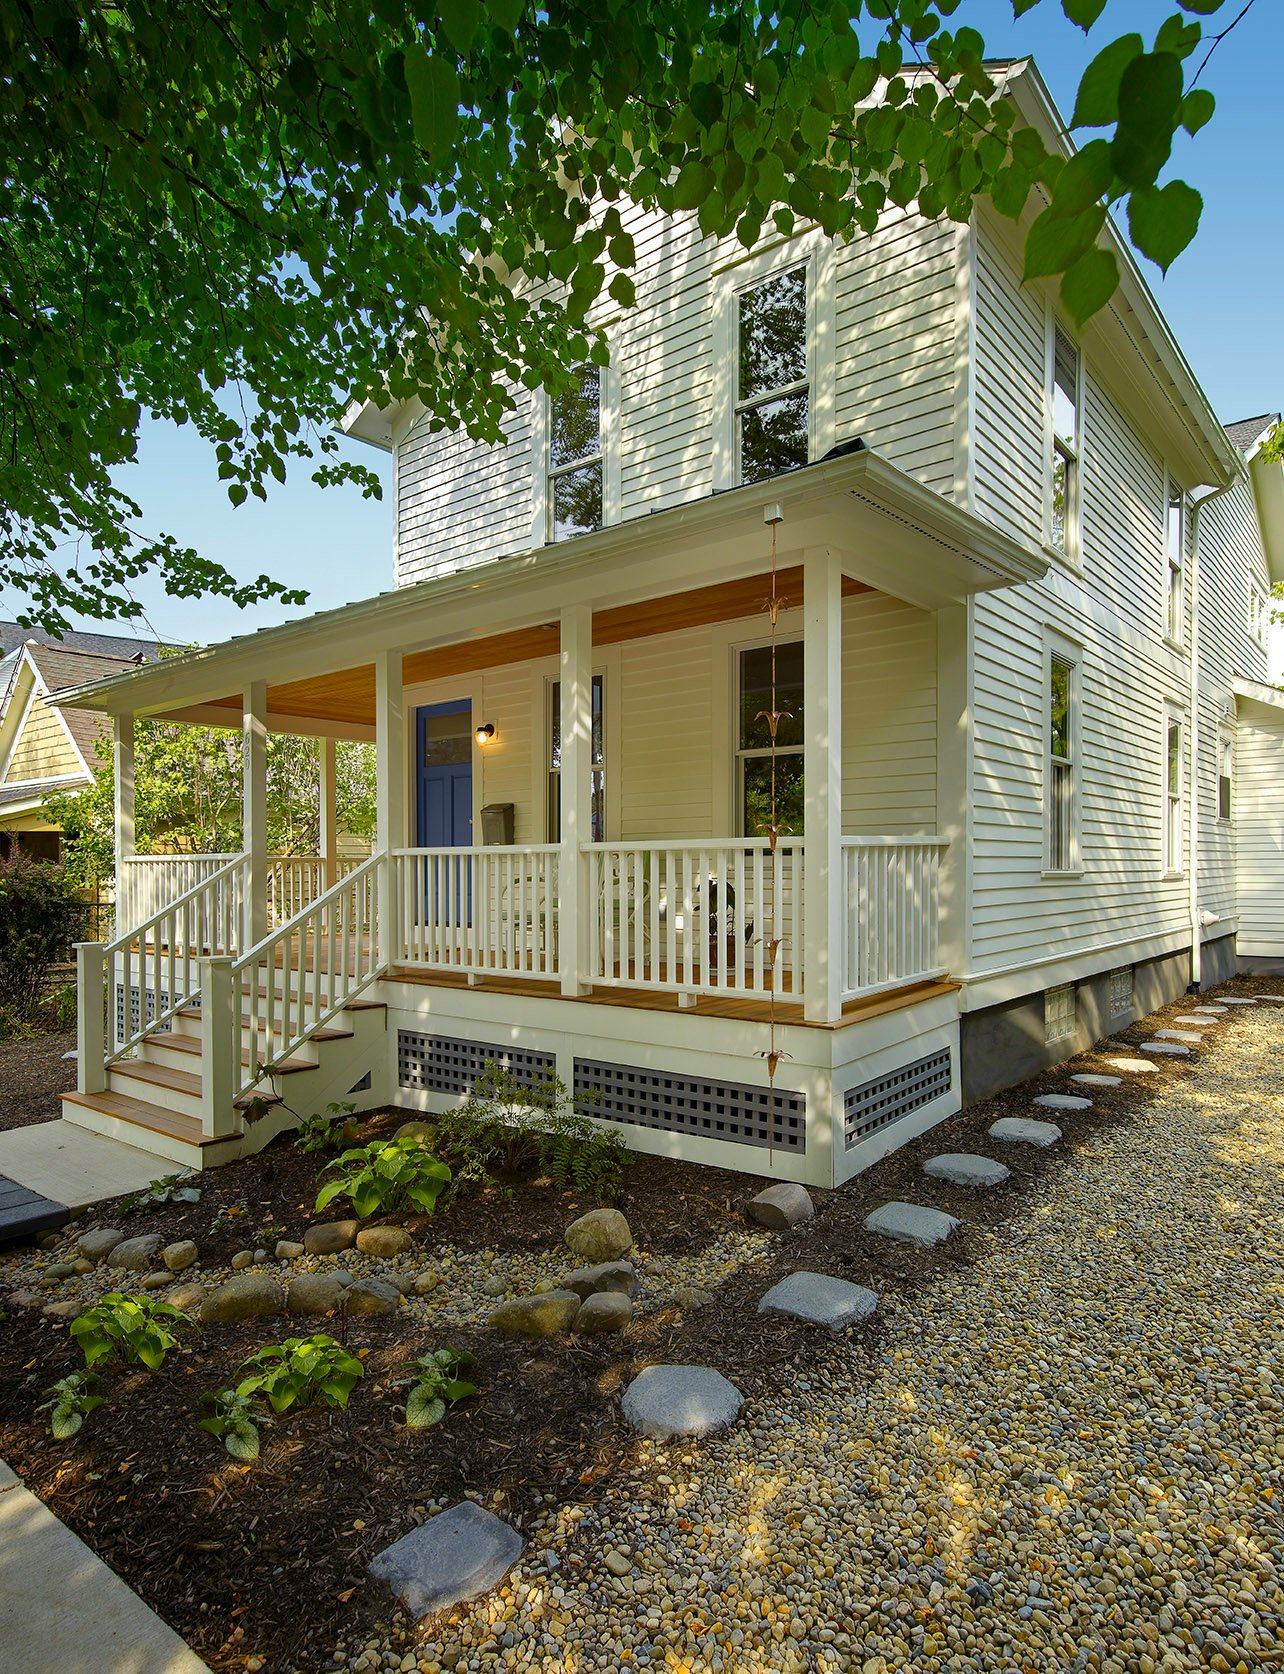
{"x":643,"y":1098}
{"x":447,"y":1064}
{"x":877,"y":1104}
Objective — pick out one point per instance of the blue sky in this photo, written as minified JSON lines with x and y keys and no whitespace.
{"x":1222,"y":299}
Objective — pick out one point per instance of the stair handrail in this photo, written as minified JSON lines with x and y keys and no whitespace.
{"x":353,"y":961}
{"x":172,"y":964}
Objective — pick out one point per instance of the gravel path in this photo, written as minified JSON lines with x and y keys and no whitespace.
{"x":1068,"y":1456}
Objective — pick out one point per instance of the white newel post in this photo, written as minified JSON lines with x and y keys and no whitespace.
{"x":254,"y":810}
{"x":91,"y":1018}
{"x":390,"y":773}
{"x":823,"y":904}
{"x":122,"y":751}
{"x":220,"y":1046}
{"x":329,"y":788}
{"x":575,"y":787}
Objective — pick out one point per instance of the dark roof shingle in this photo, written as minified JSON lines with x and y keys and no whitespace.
{"x":1244,"y":432}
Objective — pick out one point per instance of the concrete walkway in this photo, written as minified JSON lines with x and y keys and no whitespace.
{"x":71,"y":1165}
{"x":62,"y":1611}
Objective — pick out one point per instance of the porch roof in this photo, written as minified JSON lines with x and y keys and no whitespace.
{"x":889,"y":532}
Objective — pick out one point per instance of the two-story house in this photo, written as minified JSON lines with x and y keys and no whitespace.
{"x":1019,"y":576}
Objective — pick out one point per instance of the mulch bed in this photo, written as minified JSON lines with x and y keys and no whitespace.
{"x":268,"y":1562}
{"x":32,"y":1076}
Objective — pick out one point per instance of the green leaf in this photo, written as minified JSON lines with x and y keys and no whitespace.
{"x":433,"y":85}
{"x":623,"y":290}
{"x":1196,"y":109}
{"x":1150,"y":93}
{"x":242,"y":1441}
{"x":693,"y":185}
{"x":461,"y":20}
{"x":423,"y":1409}
{"x":64,"y":1422}
{"x":1162,"y":221}
{"x":1055,"y":242}
{"x":1089,"y":283}
{"x":1083,"y":12}
{"x":1096,"y":104}
{"x":1086,"y":178}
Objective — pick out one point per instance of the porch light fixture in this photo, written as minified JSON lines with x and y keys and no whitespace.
{"x":485,"y":733}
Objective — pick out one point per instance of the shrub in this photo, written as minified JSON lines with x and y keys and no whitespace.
{"x":40,"y":918}
{"x":386,"y":1174}
{"x":132,"y":1330}
{"x":62,"y":1009}
{"x":302,"y":1372}
{"x":70,"y":1401}
{"x":435,"y":1386}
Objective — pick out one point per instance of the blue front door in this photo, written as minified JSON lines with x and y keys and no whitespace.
{"x":444,"y":754}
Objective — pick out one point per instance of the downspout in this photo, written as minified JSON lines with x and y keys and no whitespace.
{"x":1196,"y":923}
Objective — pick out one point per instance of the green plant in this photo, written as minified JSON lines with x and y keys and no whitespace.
{"x":324,"y":1133}
{"x":13,"y":1027}
{"x":62,"y":1009}
{"x":302,"y":1372}
{"x":386,"y":1174}
{"x":133,"y":1330}
{"x":436,"y":1386}
{"x":70,"y":1402}
{"x":169,"y":1188}
{"x":40,"y":919}
{"x":232,"y":1423}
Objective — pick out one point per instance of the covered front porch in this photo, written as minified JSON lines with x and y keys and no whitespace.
{"x":594,"y":713}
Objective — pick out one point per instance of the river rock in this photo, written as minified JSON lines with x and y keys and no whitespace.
{"x":248,"y":1296}
{"x":288,"y":1250}
{"x":371,"y":1296}
{"x":536,"y":1316}
{"x":186,"y":1297}
{"x":609,"y":1275}
{"x":98,"y":1243}
{"x":135,"y":1255}
{"x":781,"y":1206}
{"x":57,"y":1271}
{"x":455,"y":1556}
{"x":241,"y":1260}
{"x":315,"y":1293}
{"x":329,"y":1237}
{"x":159,"y":1279}
{"x":601,"y":1235}
{"x":178,"y":1256}
{"x":383,"y":1241}
{"x":603,"y":1312}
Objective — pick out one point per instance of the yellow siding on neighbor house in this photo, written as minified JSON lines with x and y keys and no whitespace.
{"x":43,"y":750}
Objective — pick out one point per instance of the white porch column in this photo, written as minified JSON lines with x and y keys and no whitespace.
{"x":329,"y":789}
{"x":122,"y":752}
{"x":954,"y":750}
{"x":390,"y":789}
{"x":575,"y":787}
{"x":823,"y":904}
{"x":254,"y":808}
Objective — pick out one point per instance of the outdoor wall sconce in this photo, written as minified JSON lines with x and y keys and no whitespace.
{"x":485,"y":733}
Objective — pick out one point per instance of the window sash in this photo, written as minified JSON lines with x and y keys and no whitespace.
{"x":745,"y":405}
{"x":557,"y":471}
{"x":1061,"y":810}
{"x":597,"y":764}
{"x":1174,"y":798}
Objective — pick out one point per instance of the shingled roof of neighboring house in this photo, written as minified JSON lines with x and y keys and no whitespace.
{"x":61,"y":666}
{"x":1244,"y":432}
{"x":125,"y":646}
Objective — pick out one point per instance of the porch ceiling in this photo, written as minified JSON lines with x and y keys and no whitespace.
{"x":888,"y":531}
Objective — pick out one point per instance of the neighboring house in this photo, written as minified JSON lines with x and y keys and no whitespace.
{"x":1024,"y":572}
{"x":42,"y":748}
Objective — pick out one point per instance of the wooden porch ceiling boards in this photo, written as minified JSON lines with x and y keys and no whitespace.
{"x":348,"y":695}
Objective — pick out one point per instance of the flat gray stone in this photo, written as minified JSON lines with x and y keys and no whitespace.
{"x":1210,"y":1011}
{"x":1192,"y":1037}
{"x":1197,"y":1021}
{"x":780,"y":1207}
{"x":1235,"y":1000}
{"x":1274,"y":999}
{"x":1018,"y":1130}
{"x":1063,"y":1101}
{"x":608,"y":1275}
{"x":665,"y":1401}
{"x":1166,"y":1048}
{"x":1134,"y":1066}
{"x":135,"y":1255}
{"x":911,"y":1223}
{"x":1099,"y":1080}
{"x":819,"y":1300}
{"x":962,"y":1168}
{"x":455,"y":1556}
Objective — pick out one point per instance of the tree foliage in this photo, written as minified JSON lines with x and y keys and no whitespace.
{"x":239,"y":217}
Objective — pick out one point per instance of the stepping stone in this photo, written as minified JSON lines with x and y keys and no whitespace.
{"x":820,"y":1300}
{"x":1100,"y":1080}
{"x":1188,"y":1035}
{"x":1198,"y":1021}
{"x":453,"y":1557}
{"x":1210,"y":1011}
{"x":782,"y":1206}
{"x":1274,"y":999}
{"x":1168,"y":1047}
{"x":1235,"y":1000}
{"x":911,"y":1223}
{"x":1019,"y":1130}
{"x":961,"y":1168}
{"x":1063,"y":1101}
{"x":666,"y":1401}
{"x":1136,"y":1066}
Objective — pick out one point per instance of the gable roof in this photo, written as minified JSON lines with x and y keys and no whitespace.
{"x":1246,"y":433}
{"x":126,"y":646}
{"x":56,"y":668}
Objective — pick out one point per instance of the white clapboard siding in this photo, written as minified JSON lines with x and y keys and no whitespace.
{"x":1009,"y":337}
{"x":667,"y":774}
{"x":889,"y":718}
{"x":1259,"y":833}
{"x":1123,"y":524}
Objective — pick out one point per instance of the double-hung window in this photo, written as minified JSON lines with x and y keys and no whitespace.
{"x":1063,"y":520}
{"x":1175,"y":536}
{"x":1174,"y":794}
{"x":597,"y":764}
{"x":1258,"y":615}
{"x":1061,"y":792}
{"x":1225,"y":774}
{"x":575,"y":457}
{"x":773,"y":388}
{"x":754,"y":763}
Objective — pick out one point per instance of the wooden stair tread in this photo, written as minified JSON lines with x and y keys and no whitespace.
{"x":152,"y":1116}
{"x":190,"y":1047}
{"x":159,"y":1075}
{"x":194,"y":1012}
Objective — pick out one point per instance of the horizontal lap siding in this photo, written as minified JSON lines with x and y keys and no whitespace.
{"x":1123,"y":515}
{"x":889,"y":718}
{"x":667,"y":730}
{"x":1259,"y":820}
{"x":461,"y":502}
{"x":43,"y":751}
{"x":1009,"y":402}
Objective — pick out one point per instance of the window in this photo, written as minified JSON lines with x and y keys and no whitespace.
{"x":1174,"y":795}
{"x":1060,"y":1012}
{"x":1225,"y":775}
{"x":773,"y":394}
{"x":1175,"y":535}
{"x":555,"y":765}
{"x":575,"y":457}
{"x":753,"y":739}
{"x":1258,"y":615}
{"x":1059,"y":792}
{"x":1064,"y":513}
{"x":1121,"y":990}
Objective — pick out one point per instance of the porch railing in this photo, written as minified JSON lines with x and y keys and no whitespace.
{"x":891,"y":912}
{"x":703,"y":917}
{"x":477,"y":909}
{"x":148,"y":883}
{"x":294,"y":881}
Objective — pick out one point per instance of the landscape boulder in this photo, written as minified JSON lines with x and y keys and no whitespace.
{"x":383,"y":1241}
{"x":178,"y":1256}
{"x":603,"y":1312}
{"x":187,"y":1297}
{"x":288,"y":1250}
{"x":371,"y":1296}
{"x":781,"y":1206}
{"x":135,"y":1255}
{"x":248,"y":1296}
{"x":417,"y":1128}
{"x":608,"y":1275}
{"x":98,"y":1243}
{"x":536,"y":1316}
{"x":315,"y":1293}
{"x":329,"y":1237}
{"x":601,"y":1235}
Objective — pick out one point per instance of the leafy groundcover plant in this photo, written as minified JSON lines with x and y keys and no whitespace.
{"x":70,"y":1401}
{"x":435,"y":1386}
{"x":170,"y":1188}
{"x":386,"y":1174}
{"x":300,"y":1372}
{"x":130,"y":1330}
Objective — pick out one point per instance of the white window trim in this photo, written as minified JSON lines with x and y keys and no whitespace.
{"x":547,"y":675}
{"x":1055,"y":645}
{"x":1258,"y":613}
{"x":541,"y":501}
{"x":1174,"y":712}
{"x":1072,"y":553}
{"x":1177,"y":640}
{"x":1225,"y":742}
{"x":816,"y":253}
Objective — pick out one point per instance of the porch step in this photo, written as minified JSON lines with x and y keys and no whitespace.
{"x":189,"y":1046}
{"x":187,"y":1085}
{"x":193,"y":1014}
{"x":152,"y":1117}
